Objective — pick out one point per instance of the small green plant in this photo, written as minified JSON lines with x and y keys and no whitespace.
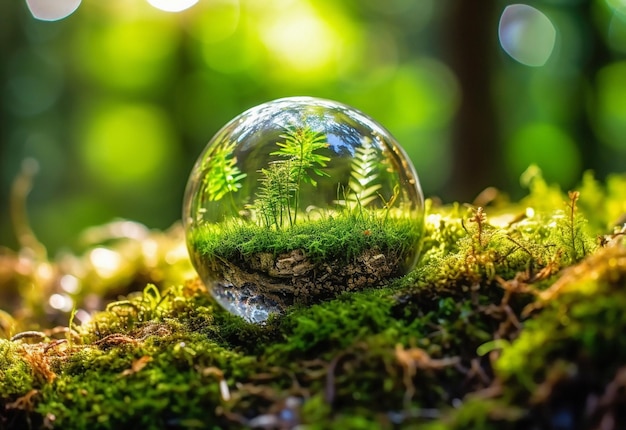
{"x":570,"y":230}
{"x":275,"y":192}
{"x":278,"y":199}
{"x":148,"y":306}
{"x":362,"y":186}
{"x":225,"y":176}
{"x":299,"y":151}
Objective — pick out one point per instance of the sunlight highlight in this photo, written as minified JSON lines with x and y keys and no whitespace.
{"x":172,"y":5}
{"x":303,"y":41}
{"x":105,"y":262}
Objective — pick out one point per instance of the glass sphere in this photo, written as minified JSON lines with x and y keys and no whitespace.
{"x":297,"y":200}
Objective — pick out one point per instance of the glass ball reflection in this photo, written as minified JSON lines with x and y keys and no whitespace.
{"x":297,"y":200}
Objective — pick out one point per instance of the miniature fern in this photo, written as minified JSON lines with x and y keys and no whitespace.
{"x":275,"y":191}
{"x":362,"y":187}
{"x":300,"y":148}
{"x":364,"y":172}
{"x":224,"y":176}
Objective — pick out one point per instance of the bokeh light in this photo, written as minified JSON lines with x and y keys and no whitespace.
{"x":303,"y":40}
{"x":172,"y":5}
{"x":105,"y":261}
{"x":124,"y":144}
{"x":610,"y":116}
{"x":138,"y":52}
{"x":61,"y":302}
{"x":47,"y":10}
{"x":547,"y":146}
{"x":239,"y":53}
{"x":216,"y":21}
{"x":526,"y":34}
{"x":418,"y":103}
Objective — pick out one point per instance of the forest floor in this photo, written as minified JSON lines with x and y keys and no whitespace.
{"x":513,"y":319}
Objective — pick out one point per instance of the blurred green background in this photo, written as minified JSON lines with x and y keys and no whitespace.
{"x":117,"y":100}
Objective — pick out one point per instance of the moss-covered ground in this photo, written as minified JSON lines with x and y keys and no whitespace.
{"x":341,"y":236}
{"x":515,"y":318}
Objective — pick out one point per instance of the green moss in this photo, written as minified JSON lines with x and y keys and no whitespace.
{"x":110,"y":389}
{"x":575,"y":346}
{"x":480,"y":413}
{"x":341,"y":236}
{"x":15,"y":373}
{"x":513,"y":319}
